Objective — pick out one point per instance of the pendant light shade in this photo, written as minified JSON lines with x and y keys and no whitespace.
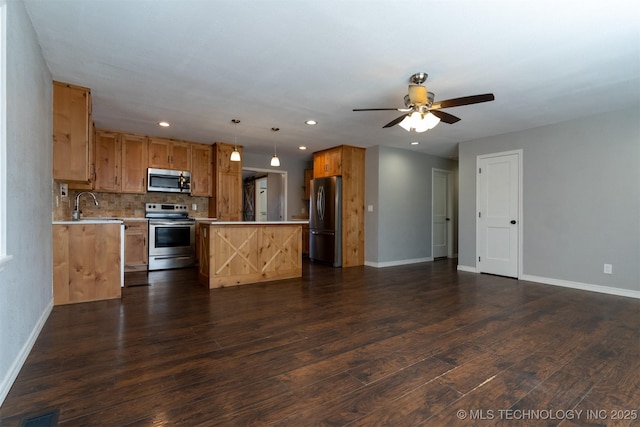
{"x":235,"y":154}
{"x":275,"y":161}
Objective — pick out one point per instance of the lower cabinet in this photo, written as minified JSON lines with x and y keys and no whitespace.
{"x":136,"y":251}
{"x":86,"y":262}
{"x":305,"y":239}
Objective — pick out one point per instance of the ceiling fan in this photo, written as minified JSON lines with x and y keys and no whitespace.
{"x":422,"y":112}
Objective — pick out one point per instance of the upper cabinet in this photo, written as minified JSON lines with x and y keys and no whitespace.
{"x":72,"y":134}
{"x":134,"y":163}
{"x":169,"y":154}
{"x":226,"y":199}
{"x":327,"y":162}
{"x":108,"y":161}
{"x":201,"y":170}
{"x":121,"y":162}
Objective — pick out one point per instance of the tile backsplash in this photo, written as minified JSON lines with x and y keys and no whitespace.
{"x":121,"y":205}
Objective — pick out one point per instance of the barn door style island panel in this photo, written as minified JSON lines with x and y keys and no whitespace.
{"x":238,"y":253}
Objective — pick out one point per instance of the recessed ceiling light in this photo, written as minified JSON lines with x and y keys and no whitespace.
{"x":302,"y":147}
{"x":311,"y":122}
{"x":164,"y":124}
{"x":415,"y":143}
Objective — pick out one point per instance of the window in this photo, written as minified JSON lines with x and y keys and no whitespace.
{"x":4,"y":258}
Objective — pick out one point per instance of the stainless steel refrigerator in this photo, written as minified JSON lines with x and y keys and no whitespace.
{"x":325,"y":220}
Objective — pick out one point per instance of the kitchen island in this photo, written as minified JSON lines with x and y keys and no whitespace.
{"x":238,"y":253}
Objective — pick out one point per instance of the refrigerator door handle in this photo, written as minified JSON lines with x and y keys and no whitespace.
{"x":320,"y":202}
{"x":316,"y":232}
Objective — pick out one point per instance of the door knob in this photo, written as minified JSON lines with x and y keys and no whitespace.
{"x":513,"y":221}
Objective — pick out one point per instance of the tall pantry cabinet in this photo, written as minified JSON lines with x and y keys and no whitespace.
{"x":348,"y":162}
{"x":225,"y":203}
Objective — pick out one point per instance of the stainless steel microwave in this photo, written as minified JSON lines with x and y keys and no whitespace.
{"x":168,"y":181}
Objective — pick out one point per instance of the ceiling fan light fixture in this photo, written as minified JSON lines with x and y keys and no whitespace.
{"x":418,"y":123}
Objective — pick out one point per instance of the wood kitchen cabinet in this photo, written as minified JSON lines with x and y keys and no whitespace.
{"x":121,"y":162}
{"x":201,"y":170}
{"x":108,"y":161}
{"x":327,"y":162}
{"x":308,"y":176}
{"x":225,"y":203}
{"x":86,"y":262}
{"x":72,"y":134}
{"x":134,"y":163}
{"x":169,"y":154}
{"x":136,"y":238}
{"x":347,"y":161}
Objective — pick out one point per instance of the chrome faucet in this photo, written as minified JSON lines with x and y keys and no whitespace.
{"x":77,"y":213}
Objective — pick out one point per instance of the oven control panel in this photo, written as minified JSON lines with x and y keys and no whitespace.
{"x":165,"y":207}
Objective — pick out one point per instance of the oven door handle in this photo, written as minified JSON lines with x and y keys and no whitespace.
{"x":171,"y":257}
{"x":171,"y":223}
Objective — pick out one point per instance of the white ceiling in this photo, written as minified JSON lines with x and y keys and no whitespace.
{"x":276,"y":63}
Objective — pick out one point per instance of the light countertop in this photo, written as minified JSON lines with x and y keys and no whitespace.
{"x":90,"y":221}
{"x":256,"y":222}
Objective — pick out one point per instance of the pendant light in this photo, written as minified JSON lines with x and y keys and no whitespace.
{"x":235,"y":154}
{"x":275,"y":161}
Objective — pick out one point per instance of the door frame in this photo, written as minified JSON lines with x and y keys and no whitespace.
{"x":449,"y":175}
{"x":479,"y":158}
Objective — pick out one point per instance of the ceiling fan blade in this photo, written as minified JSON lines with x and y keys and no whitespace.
{"x":445,"y":117}
{"x":465,"y":100}
{"x":377,"y":109}
{"x":395,"y":121}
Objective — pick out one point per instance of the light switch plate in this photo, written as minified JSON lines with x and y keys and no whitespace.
{"x":369,"y":208}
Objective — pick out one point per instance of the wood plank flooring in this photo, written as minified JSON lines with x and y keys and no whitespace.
{"x":416,"y":345}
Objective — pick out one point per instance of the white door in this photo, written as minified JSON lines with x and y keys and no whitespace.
{"x":441,"y":211}
{"x":261,"y":199}
{"x":498,"y":213}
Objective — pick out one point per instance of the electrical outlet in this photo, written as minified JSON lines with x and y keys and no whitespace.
{"x":64,"y":190}
{"x":608,"y":269}
{"x":194,"y":207}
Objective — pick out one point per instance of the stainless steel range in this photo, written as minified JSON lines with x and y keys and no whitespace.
{"x":171,"y":236}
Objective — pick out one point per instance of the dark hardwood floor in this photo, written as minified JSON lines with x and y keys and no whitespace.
{"x":416,"y":345}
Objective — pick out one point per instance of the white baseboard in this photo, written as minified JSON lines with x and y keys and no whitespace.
{"x":582,"y":286}
{"x":399,"y":262}
{"x":17,"y":364}
{"x":467,"y":268}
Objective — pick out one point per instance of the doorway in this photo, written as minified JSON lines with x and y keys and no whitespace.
{"x":499,"y":218}
{"x":264,"y":194}
{"x":441,"y":214}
